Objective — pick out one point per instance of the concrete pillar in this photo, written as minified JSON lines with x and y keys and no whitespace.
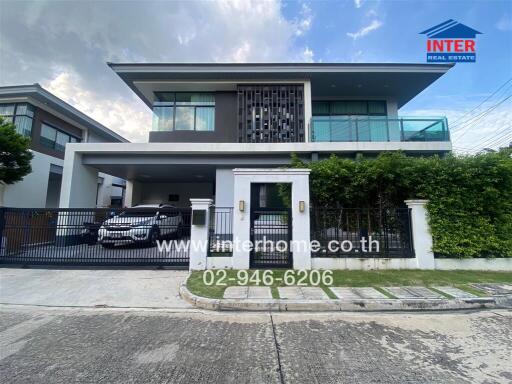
{"x":421,"y":235}
{"x":199,"y":235}
{"x":79,"y":183}
{"x":132,"y":193}
{"x":301,"y":223}
{"x":241,"y":221}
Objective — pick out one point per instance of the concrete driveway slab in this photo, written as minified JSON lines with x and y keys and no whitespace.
{"x":455,"y":292}
{"x":259,"y":293}
{"x":138,"y":288}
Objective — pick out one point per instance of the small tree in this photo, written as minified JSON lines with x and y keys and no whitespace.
{"x":15,"y":156}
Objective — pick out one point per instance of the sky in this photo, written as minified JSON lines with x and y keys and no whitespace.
{"x":64,"y":46}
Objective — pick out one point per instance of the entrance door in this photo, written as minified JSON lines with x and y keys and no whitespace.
{"x":271,"y":229}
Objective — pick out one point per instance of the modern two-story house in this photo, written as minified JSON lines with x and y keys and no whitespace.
{"x":211,"y":118}
{"x":52,"y":124}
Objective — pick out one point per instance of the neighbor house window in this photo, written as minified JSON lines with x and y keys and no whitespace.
{"x":184,"y":111}
{"x":349,"y":108}
{"x":56,"y":139}
{"x":21,"y":114}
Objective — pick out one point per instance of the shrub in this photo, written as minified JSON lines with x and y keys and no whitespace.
{"x":470,"y":197}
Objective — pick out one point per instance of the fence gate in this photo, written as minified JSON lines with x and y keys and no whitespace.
{"x":129,"y":236}
{"x":271,"y":234}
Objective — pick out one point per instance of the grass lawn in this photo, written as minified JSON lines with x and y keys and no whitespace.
{"x":342,"y":278}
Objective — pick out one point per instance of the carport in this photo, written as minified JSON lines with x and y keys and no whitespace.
{"x":163,"y":172}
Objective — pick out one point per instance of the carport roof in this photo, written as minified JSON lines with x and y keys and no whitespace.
{"x":400,"y":81}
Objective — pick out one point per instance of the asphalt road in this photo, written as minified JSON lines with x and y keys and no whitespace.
{"x":43,"y":345}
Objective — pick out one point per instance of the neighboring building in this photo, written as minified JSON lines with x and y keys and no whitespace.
{"x":52,"y":124}
{"x":211,"y":118}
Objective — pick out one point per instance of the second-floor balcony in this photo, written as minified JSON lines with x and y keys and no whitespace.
{"x":378,"y":128}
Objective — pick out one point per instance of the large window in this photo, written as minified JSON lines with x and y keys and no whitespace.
{"x":21,"y":114}
{"x":349,"y":108}
{"x":56,"y":139}
{"x":184,"y":111}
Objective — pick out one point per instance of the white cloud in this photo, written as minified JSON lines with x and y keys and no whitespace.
{"x":307,"y":55}
{"x":505,"y":23}
{"x":304,"y":24}
{"x":358,"y":3}
{"x":469,"y":134}
{"x":374,"y":25}
{"x":130,"y":116}
{"x":356,"y":56}
{"x":76,"y":39}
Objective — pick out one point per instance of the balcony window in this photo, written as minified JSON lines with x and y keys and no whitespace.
{"x":184,"y":111}
{"x":350,"y":108}
{"x":56,"y":139}
{"x":21,"y":114}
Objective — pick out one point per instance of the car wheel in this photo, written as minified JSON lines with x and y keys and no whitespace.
{"x":154,"y":235}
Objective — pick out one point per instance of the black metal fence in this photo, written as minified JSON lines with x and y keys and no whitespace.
{"x":102,"y":236}
{"x":362,"y":233}
{"x":220,"y":235}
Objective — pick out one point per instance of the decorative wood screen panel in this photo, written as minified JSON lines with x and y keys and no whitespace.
{"x":271,"y":113}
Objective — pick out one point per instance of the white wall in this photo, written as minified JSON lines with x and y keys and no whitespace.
{"x":31,"y":191}
{"x":475,"y":264}
{"x":153,"y":193}
{"x":224,"y":187}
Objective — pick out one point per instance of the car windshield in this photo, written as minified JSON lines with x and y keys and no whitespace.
{"x":138,"y":213}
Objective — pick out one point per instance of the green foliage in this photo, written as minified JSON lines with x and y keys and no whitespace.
{"x":15,"y":156}
{"x":470,"y":197}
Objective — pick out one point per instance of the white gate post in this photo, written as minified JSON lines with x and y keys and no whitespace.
{"x":199,"y":228}
{"x":421,"y":235}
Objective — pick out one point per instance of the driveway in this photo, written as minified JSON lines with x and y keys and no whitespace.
{"x":41,"y":345}
{"x":122,"y":288}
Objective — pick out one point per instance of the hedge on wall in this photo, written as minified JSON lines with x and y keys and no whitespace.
{"x":470,"y":197}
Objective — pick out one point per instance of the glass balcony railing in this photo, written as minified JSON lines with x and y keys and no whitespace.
{"x":378,"y":128}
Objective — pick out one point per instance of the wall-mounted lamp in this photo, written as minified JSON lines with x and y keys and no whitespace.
{"x":241,"y":205}
{"x":302,"y":206}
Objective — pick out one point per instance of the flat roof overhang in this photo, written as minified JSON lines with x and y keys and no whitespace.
{"x":189,"y":162}
{"x":399,"y":81}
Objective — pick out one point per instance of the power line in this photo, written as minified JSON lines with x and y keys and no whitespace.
{"x":461,"y":127}
{"x":478,"y":106}
{"x":486,"y":112}
{"x":486,"y":141}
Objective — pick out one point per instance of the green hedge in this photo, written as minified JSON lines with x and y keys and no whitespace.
{"x":470,"y":197}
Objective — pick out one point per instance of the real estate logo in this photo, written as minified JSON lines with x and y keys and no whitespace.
{"x":451,"y":42}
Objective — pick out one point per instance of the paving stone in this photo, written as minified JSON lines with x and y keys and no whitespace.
{"x":369,"y":293}
{"x":455,"y":292}
{"x":236,"y":292}
{"x":493,"y":289}
{"x":314,"y":293}
{"x":424,"y":293}
{"x":293,"y":293}
{"x":259,"y":293}
{"x":345,"y":293}
{"x":400,"y":292}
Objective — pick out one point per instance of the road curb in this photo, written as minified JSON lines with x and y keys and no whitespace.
{"x":360,"y":305}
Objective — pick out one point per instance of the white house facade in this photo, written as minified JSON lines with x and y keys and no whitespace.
{"x":51,"y":125}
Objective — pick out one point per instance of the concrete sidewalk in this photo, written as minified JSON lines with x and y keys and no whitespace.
{"x":125,"y":288}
